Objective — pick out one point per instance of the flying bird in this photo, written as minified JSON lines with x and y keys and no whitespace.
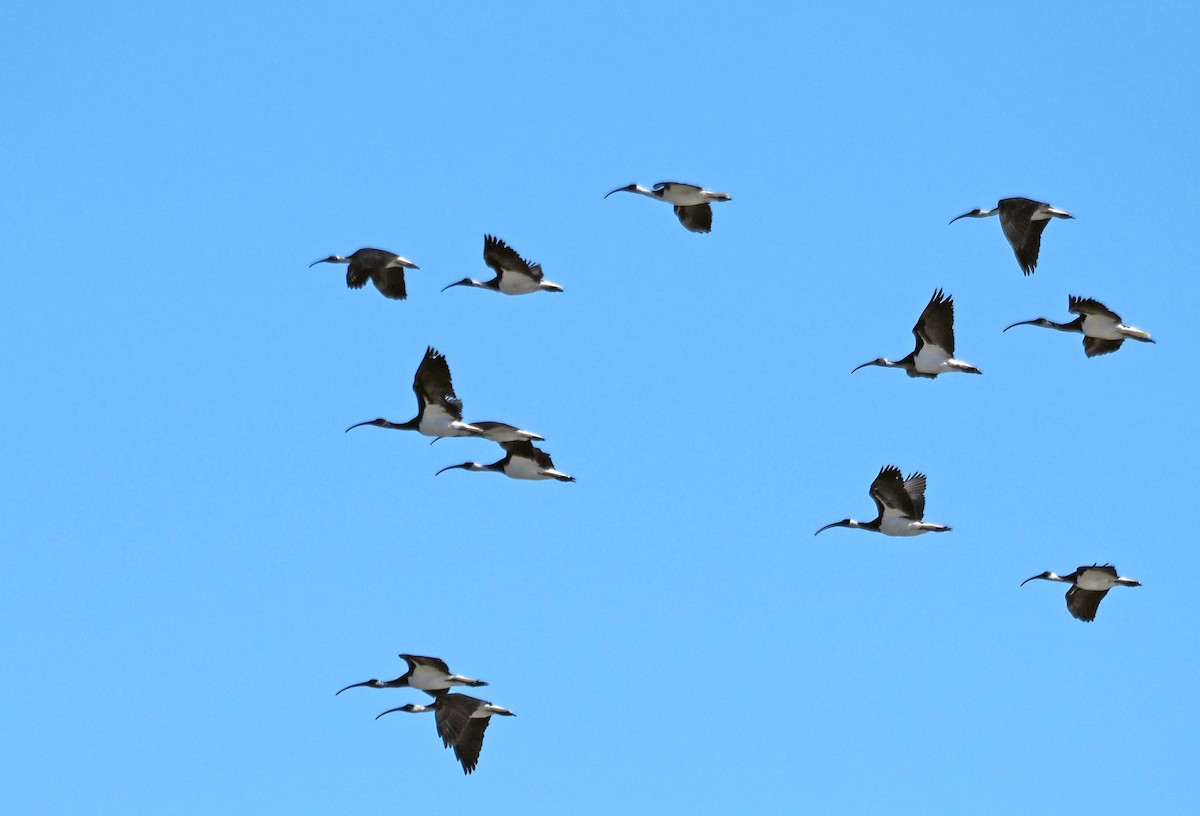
{"x":429,"y":674}
{"x":461,"y":721}
{"x":691,"y":202}
{"x":901,"y":504}
{"x":1089,"y":585}
{"x":1022,"y":220}
{"x":384,"y":269}
{"x":1102,"y":329}
{"x":439,"y":411}
{"x":514,"y":274}
{"x":521,"y":461}
{"x":934,"y":353}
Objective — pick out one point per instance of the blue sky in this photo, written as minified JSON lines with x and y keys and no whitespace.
{"x":195,"y":557}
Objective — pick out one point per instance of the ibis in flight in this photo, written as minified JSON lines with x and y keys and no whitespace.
{"x":691,"y":202}
{"x":1022,"y":220}
{"x":934,"y":353}
{"x":503,"y":432}
{"x":521,"y":461}
{"x":384,"y":269}
{"x":901,"y":504}
{"x":1102,"y":329}
{"x":1089,"y":585}
{"x":514,"y":274}
{"x":461,"y":721}
{"x":429,"y":674}
{"x":439,"y":410}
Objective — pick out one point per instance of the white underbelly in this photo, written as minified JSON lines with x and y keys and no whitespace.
{"x":524,"y":469}
{"x":1101,"y":328}
{"x":1095,"y":581}
{"x":897,"y":526}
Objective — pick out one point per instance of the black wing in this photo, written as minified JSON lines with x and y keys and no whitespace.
{"x":433,"y":386}
{"x":1083,"y":603}
{"x":914,"y":486}
{"x":1087,"y":306}
{"x":503,"y":258}
{"x":470,"y":743}
{"x":390,"y":282}
{"x":935,"y":327}
{"x":890,"y":493}
{"x":1094,"y":346}
{"x":432,"y":662}
{"x":453,"y":713}
{"x":525,"y":449}
{"x":1023,"y":233}
{"x":696,"y":217}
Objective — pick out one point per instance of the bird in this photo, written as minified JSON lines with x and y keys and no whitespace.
{"x":429,"y":674}
{"x":461,"y":721}
{"x":439,"y":411}
{"x":514,"y":274}
{"x":384,"y":269}
{"x":1089,"y":585}
{"x":1022,"y":220}
{"x":503,"y":432}
{"x":901,"y":504}
{"x":691,"y":202}
{"x":1102,"y":329}
{"x":934,"y":353}
{"x":521,"y":461}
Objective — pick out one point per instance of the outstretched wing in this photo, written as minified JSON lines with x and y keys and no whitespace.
{"x":504,"y":259}
{"x":1094,"y":346}
{"x":390,"y":282}
{"x":935,"y":327}
{"x":1023,"y":233}
{"x":696,"y":217}
{"x":433,"y":386}
{"x":914,"y":486}
{"x":1083,"y":603}
{"x":1088,"y":306}
{"x":470,"y":743}
{"x":891,"y":495}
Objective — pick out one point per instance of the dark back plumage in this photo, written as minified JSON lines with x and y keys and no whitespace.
{"x":935,"y":326}
{"x":1023,"y":233}
{"x":695,"y":217}
{"x":433,"y":386}
{"x":904,"y":496}
{"x":503,"y":259}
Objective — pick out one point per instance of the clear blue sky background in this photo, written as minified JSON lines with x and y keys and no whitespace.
{"x":195,"y":557}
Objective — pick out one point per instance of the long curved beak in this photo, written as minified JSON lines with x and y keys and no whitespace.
{"x":314,"y":263}
{"x":827,"y":526}
{"x":451,"y":467}
{"x":353,"y":685}
{"x":1021,"y":323}
{"x":389,"y":711}
{"x":864,"y":365}
{"x":456,"y":283}
{"x":964,"y":215}
{"x":1027,"y":580}
{"x":620,"y":189}
{"x":360,"y":424}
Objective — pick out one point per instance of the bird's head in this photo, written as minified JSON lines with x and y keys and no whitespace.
{"x":372,"y":682}
{"x":463,"y":466}
{"x":842,"y":523}
{"x":1049,"y":576}
{"x":878,"y":361}
{"x":463,"y":282}
{"x":412,"y":708}
{"x":380,"y":421}
{"x":628,"y":188}
{"x":1041,"y":321}
{"x":330,"y":259}
{"x":971,"y":214}
{"x":722,"y":197}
